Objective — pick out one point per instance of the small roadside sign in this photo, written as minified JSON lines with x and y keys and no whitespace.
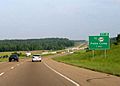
{"x":104,"y":34}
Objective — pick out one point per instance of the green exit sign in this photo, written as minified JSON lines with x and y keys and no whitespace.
{"x":99,"y":42}
{"x":104,"y":34}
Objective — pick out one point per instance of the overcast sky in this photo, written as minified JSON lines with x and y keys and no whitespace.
{"x":73,"y":19}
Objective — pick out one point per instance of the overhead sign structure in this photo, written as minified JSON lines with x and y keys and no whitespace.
{"x":99,"y":42}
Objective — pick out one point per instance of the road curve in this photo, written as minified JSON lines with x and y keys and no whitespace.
{"x":33,"y":74}
{"x":83,"y":76}
{"x":51,"y":73}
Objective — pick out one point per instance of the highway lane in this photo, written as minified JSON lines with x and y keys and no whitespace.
{"x":51,"y":73}
{"x":6,"y":66}
{"x":33,"y":74}
{"x":83,"y":76}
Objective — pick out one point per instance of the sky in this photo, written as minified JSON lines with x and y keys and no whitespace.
{"x":73,"y":19}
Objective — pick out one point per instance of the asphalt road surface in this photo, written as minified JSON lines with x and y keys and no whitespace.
{"x":31,"y":74}
{"x":51,"y":73}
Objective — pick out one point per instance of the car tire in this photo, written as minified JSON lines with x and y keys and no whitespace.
{"x":17,"y":60}
{"x":9,"y":60}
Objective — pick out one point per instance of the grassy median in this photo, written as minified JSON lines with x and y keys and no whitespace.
{"x":110,"y":64}
{"x":3,"y":55}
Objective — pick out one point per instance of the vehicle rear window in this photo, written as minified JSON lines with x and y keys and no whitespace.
{"x":36,"y":55}
{"x":13,"y":56}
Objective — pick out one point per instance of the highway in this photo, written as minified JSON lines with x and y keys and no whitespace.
{"x":32,"y":74}
{"x":51,"y":73}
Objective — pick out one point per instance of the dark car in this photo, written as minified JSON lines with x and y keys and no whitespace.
{"x":14,"y":57}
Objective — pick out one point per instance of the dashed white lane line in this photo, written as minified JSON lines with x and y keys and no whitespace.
{"x":18,"y":64}
{"x":75,"y":83}
{"x":12,"y":68}
{"x":2,"y":73}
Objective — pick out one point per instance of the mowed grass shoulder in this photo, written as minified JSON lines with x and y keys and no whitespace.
{"x":110,"y":64}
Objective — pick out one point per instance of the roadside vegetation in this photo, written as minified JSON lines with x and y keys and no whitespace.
{"x":5,"y":55}
{"x":110,"y":64}
{"x":3,"y":59}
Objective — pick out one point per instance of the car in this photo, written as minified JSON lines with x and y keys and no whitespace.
{"x":14,"y":57}
{"x":36,"y":58}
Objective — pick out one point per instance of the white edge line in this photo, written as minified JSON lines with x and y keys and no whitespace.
{"x":63,"y":75}
{"x":2,"y":73}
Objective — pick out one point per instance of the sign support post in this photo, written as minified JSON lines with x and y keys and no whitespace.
{"x":99,"y":43}
{"x":105,"y":53}
{"x":93,"y":53}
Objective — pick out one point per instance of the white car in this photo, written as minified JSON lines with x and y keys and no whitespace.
{"x":36,"y":58}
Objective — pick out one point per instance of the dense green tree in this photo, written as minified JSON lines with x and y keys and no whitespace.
{"x":118,"y":38}
{"x":35,"y":44}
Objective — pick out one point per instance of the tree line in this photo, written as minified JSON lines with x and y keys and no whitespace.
{"x":35,"y":44}
{"x":116,"y":40}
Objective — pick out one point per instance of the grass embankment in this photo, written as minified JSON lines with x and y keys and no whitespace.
{"x":110,"y":64}
{"x":3,"y":59}
{"x":3,"y":54}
